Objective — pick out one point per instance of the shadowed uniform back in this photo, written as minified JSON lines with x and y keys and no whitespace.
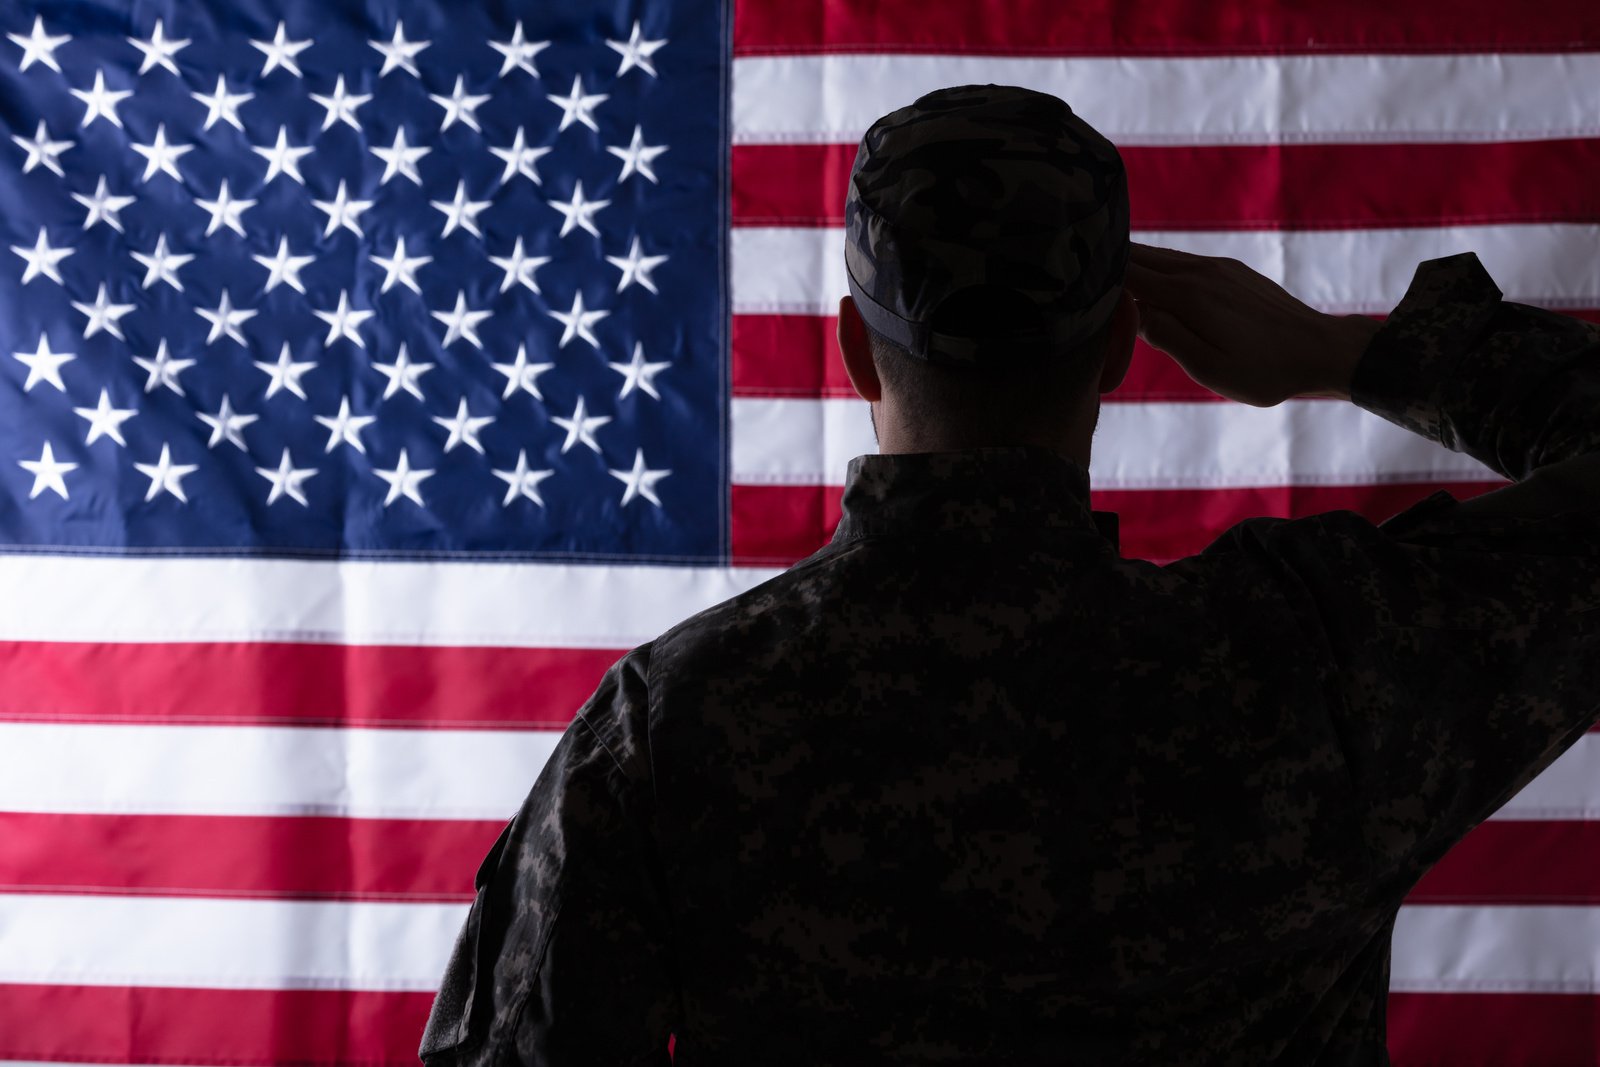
{"x":968,"y":787}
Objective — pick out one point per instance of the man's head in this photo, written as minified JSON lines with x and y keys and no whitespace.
{"x":986,"y":239}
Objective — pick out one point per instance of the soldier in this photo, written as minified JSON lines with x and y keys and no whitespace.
{"x":968,"y":787}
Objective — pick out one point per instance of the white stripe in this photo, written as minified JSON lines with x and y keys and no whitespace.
{"x":259,"y":944}
{"x":400,"y":774}
{"x":1567,"y":789}
{"x":156,"y":598}
{"x":1496,"y":949}
{"x":269,"y":770}
{"x":1194,"y":445}
{"x":225,"y":944}
{"x":800,"y":270}
{"x":822,"y":99}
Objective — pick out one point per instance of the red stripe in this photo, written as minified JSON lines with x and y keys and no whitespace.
{"x":1516,"y":862}
{"x":227,"y":856}
{"x":433,"y":860}
{"x":1252,"y":187}
{"x":1159,"y":27}
{"x":776,"y":525}
{"x":798,"y":356}
{"x":1162,"y":525}
{"x":787,"y":355}
{"x":1493,"y":1030}
{"x":334,"y":1028}
{"x":245,"y":1027}
{"x":297,"y":684}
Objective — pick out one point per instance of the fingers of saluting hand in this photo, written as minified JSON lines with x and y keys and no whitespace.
{"x":1159,"y":274}
{"x":1162,"y":330}
{"x":1153,"y":257}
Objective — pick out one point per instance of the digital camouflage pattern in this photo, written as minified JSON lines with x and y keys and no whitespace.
{"x":967,"y":787}
{"x":985,"y":185}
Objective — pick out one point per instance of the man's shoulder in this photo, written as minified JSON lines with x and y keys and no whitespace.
{"x":747,"y":614}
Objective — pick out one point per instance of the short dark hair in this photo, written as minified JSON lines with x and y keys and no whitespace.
{"x":1007,"y":394}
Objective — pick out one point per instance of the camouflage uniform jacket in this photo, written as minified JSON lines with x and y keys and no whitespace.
{"x":967,"y":787}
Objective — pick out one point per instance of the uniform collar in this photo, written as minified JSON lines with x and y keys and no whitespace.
{"x":913,"y":493}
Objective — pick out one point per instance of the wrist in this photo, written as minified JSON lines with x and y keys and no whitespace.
{"x":1348,"y":339}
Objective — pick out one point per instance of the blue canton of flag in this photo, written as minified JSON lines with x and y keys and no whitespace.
{"x":317,"y":278}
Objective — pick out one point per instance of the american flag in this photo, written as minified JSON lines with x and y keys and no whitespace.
{"x":372,"y":375}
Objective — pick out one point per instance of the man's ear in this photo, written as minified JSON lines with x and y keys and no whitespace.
{"x":1119,"y":343}
{"x":857,"y":352}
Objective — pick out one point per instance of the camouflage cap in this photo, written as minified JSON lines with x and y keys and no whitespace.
{"x":981,"y":193}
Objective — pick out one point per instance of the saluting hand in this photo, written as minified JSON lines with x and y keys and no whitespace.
{"x":1240,"y":334}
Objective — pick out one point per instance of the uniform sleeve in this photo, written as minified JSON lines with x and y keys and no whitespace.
{"x":564,"y":956}
{"x":1459,"y":642}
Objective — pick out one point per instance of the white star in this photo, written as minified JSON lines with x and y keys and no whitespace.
{"x":42,"y":259}
{"x":577,"y":322}
{"x":227,"y":425}
{"x":578,"y":211}
{"x":226,"y":211}
{"x":636,"y":52}
{"x":577,"y":107}
{"x":581,"y":427}
{"x":519,"y":268}
{"x":400,"y":159}
{"x":166,"y":476}
{"x":640,"y":481}
{"x":399,"y":52}
{"x":284,"y":267}
{"x":519,"y":52}
{"x":44,"y":365}
{"x":461,"y":213}
{"x":285,"y":373}
{"x":103,"y":207}
{"x":161,"y":155}
{"x":459,"y":106}
{"x":341,"y":106}
{"x":345,"y":428}
{"x":637,"y":374}
{"x":164,"y":370}
{"x":100,"y":102}
{"x":341,"y":211}
{"x":105,"y":420}
{"x":39,"y":46}
{"x":226,"y":320}
{"x":103,"y":315}
{"x":282,"y":158}
{"x":343,"y":321}
{"x":520,"y":158}
{"x":159,"y":50}
{"x":520,"y":481}
{"x":47,"y":471}
{"x":162,"y":265}
{"x":403,"y":374}
{"x":460,"y":322}
{"x":223,"y":104}
{"x":401,"y":267}
{"x":280,"y":52}
{"x":464,"y":427}
{"x":636,"y":267}
{"x":287,"y":480}
{"x":520,"y":374}
{"x":403,"y":481}
{"x":42,"y":150}
{"x":637,"y":156}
